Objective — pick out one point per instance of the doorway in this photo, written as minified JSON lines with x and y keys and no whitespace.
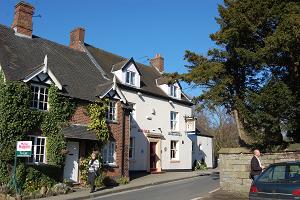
{"x":153,"y":156}
{"x":71,"y":163}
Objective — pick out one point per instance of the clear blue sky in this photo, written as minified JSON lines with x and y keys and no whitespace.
{"x":130,"y":28}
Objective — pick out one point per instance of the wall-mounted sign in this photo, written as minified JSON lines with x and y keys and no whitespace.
{"x":190,"y":124}
{"x":174,"y":133}
{"x":24,"y":148}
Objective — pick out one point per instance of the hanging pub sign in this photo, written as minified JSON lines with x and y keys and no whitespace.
{"x":190,"y":124}
{"x":24,"y":148}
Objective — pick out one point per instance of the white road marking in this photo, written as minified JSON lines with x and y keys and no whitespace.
{"x":213,"y":190}
{"x":197,"y":198}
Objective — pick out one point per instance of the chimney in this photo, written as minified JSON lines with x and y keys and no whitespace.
{"x":22,"y":23}
{"x":77,"y":39}
{"x":158,"y":63}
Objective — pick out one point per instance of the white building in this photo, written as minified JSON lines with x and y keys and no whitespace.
{"x":159,"y":139}
{"x":202,"y":147}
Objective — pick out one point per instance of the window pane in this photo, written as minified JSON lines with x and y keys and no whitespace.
{"x":127,"y":77}
{"x":132,"y":78}
{"x":279,"y":173}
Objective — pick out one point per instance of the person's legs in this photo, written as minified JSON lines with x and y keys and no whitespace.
{"x":92,"y":181}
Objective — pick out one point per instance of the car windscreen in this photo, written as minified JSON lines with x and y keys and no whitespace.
{"x":293,"y":172}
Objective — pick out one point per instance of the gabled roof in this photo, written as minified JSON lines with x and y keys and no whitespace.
{"x":74,"y":70}
{"x":110,"y":62}
{"x":123,"y":64}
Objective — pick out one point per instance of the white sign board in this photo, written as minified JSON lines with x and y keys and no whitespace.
{"x":191,"y":125}
{"x":24,"y":148}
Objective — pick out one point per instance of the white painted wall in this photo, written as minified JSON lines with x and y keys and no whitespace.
{"x":166,"y":89}
{"x":121,"y":74}
{"x":146,"y":119}
{"x":203,"y":148}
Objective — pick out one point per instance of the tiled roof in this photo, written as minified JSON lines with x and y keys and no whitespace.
{"x":21,"y":56}
{"x":79,"y":132}
{"x":111,"y":62}
{"x":75,"y":70}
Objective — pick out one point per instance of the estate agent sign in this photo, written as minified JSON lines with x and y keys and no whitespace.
{"x":24,"y":148}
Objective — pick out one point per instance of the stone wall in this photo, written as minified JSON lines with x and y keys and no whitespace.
{"x":234,"y":165}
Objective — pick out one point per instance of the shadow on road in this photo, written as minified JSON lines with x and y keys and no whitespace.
{"x":215,"y":175}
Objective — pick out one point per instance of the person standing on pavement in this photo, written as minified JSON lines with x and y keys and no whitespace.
{"x":93,"y":171}
{"x":256,"y":166}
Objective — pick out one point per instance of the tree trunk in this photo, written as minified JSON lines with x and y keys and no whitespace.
{"x":243,"y":138}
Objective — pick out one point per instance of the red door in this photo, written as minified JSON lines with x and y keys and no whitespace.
{"x":152,"y":156}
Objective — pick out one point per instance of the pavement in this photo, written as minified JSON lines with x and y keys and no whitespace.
{"x":138,"y":181}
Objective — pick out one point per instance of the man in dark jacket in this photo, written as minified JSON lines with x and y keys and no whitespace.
{"x":256,"y":166}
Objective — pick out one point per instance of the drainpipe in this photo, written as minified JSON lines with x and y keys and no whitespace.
{"x":126,"y":110}
{"x":123,"y":140}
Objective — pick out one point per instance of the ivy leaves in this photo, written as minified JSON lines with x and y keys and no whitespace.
{"x":97,"y":113}
{"x":16,"y":119}
{"x":60,"y":109}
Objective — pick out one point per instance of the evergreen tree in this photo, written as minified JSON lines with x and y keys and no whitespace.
{"x":256,"y":62}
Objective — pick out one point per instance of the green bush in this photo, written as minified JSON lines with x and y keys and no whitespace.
{"x":109,"y":182}
{"x":123,"y":180}
{"x":200,"y":165}
{"x":35,"y":180}
{"x":4,"y":176}
{"x":99,"y":181}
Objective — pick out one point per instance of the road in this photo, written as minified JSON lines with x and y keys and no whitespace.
{"x":189,"y":189}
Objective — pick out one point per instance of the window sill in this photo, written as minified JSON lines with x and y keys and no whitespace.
{"x":111,"y":165}
{"x":129,"y":85}
{"x":174,"y":161}
{"x":32,"y":108}
{"x":36,"y":163}
{"x":112,"y":121}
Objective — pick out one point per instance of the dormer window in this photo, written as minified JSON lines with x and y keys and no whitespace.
{"x":39,"y":97}
{"x":130,"y":77}
{"x":173,"y":91}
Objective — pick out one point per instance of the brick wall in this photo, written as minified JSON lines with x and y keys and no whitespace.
{"x":234,"y":165}
{"x":116,"y":130}
{"x":80,"y":117}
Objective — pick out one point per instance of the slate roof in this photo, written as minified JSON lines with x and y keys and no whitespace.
{"x":21,"y":56}
{"x":111,"y":62}
{"x":79,"y":76}
{"x":79,"y":132}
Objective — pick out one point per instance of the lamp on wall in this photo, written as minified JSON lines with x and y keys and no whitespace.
{"x":153,"y":111}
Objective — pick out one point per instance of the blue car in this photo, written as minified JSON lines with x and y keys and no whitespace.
{"x":278,"y":181}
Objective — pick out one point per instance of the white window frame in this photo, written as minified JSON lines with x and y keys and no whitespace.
{"x":34,"y":150}
{"x":111,"y":114}
{"x":174,"y":124}
{"x":175,"y":150}
{"x":38,"y":101}
{"x":130,"y":78}
{"x":173,"y":91}
{"x":132,"y":148}
{"x":109,"y":154}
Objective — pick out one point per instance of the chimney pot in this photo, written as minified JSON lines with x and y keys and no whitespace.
{"x":157,"y":62}
{"x":22,"y":23}
{"x":77,"y":38}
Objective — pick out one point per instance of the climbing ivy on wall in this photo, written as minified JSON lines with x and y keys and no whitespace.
{"x":17,"y":120}
{"x":60,"y":110}
{"x":97,"y":113}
